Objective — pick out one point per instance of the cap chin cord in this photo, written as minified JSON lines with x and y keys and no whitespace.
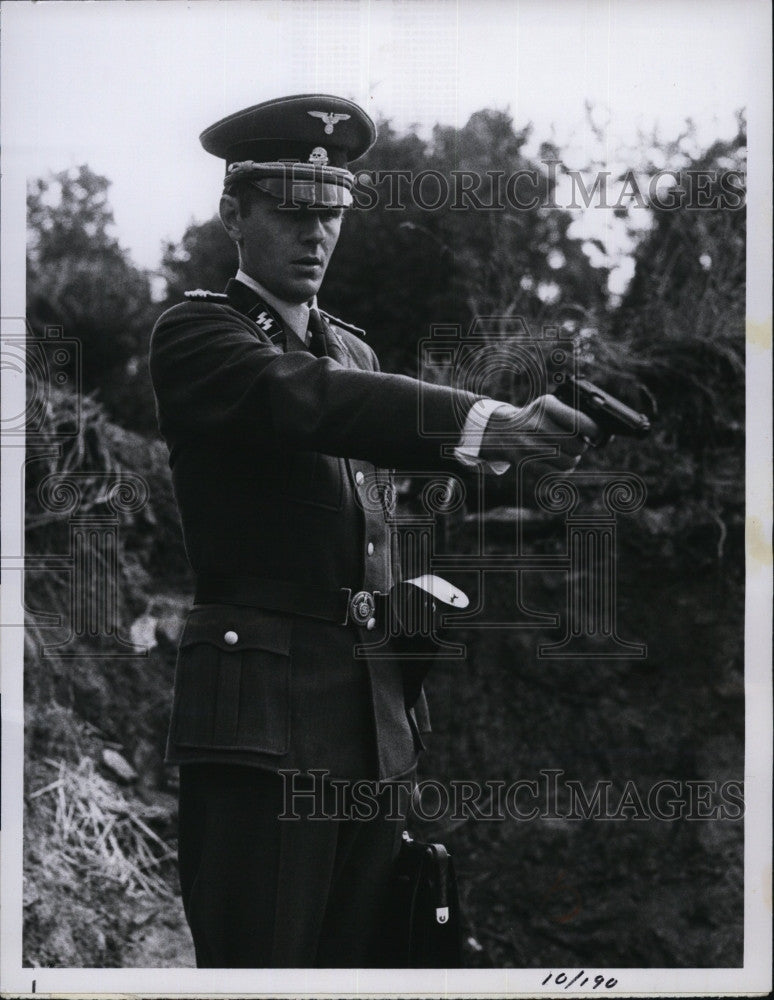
{"x":249,"y":169}
{"x":295,"y":183}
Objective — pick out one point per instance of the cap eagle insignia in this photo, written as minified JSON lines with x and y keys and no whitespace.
{"x":330,"y":118}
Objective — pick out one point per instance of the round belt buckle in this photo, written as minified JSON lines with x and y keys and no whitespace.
{"x":362,"y":607}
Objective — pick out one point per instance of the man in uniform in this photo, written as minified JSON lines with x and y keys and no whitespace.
{"x":280,"y":425}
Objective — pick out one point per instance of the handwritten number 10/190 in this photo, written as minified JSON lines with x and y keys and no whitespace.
{"x":562,"y":979}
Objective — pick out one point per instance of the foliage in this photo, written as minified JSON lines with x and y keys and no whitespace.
{"x":80,"y":278}
{"x":684,"y":311}
{"x":678,"y":334}
{"x":204,"y":258}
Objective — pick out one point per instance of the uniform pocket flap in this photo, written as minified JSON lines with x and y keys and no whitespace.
{"x":234,"y":628}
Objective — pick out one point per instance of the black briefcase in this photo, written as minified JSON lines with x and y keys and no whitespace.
{"x":424,"y":913}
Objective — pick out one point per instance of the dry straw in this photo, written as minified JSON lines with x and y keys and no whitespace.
{"x":100,"y":836}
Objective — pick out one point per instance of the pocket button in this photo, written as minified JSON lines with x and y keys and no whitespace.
{"x":231,"y":638}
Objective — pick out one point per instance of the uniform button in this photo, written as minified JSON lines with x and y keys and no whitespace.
{"x":371,"y":624}
{"x":231,"y":638}
{"x":370,"y":549}
{"x":359,"y":478}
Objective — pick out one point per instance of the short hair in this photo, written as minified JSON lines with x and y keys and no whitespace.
{"x":245,"y":193}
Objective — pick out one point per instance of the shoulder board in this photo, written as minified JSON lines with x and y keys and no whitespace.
{"x":202,"y":295}
{"x":350,"y":327}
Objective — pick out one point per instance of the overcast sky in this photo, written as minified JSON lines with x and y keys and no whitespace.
{"x":127,"y":86}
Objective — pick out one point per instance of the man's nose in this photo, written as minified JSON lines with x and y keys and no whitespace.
{"x":314,"y":230}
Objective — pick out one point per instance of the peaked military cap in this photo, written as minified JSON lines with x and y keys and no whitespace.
{"x":295,"y":148}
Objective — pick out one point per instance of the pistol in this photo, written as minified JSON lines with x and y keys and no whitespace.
{"x":610,"y":414}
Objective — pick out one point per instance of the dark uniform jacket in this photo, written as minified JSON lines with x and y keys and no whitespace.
{"x":276,"y":459}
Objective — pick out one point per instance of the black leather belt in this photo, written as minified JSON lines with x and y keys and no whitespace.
{"x":339,"y":606}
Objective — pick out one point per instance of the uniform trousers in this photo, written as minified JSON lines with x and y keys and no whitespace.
{"x":260,"y":891}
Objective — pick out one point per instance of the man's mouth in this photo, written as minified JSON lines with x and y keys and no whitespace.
{"x":308,"y":261}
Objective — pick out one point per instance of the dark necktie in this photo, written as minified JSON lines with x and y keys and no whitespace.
{"x":316,"y":330}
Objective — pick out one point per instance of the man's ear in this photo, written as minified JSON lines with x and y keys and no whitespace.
{"x":230,"y":216}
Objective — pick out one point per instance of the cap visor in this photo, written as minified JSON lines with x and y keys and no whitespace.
{"x":293,"y":192}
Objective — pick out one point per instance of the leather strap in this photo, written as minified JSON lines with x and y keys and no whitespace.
{"x":441,"y":857}
{"x":283,"y":596}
